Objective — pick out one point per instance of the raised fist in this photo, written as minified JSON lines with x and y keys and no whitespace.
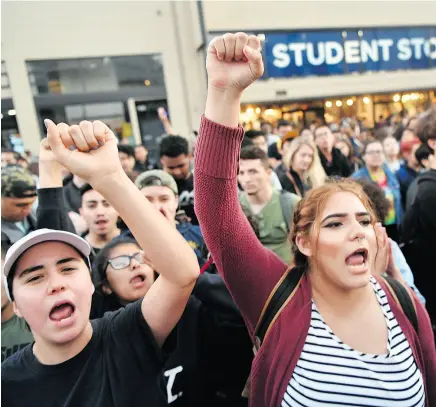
{"x":88,"y":150}
{"x":234,"y":61}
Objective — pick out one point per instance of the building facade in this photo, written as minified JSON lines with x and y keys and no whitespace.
{"x":118,"y":61}
{"x":115,"y":61}
{"x":326,"y":60}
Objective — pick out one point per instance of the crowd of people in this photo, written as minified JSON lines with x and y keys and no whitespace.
{"x":128,"y":282}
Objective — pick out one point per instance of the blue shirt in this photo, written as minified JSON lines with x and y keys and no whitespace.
{"x":406,"y":272}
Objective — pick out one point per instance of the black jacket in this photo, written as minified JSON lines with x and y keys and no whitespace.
{"x":419,"y":238}
{"x":339,"y":165}
{"x":419,"y":222}
{"x":289,"y":186}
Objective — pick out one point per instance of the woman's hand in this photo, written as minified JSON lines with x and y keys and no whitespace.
{"x":233,"y":63}
{"x":384,"y":252}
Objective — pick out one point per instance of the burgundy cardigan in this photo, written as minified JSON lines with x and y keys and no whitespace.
{"x":251,"y":272}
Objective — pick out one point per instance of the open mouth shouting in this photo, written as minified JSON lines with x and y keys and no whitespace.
{"x":357,"y":261}
{"x":62,"y":313}
{"x":138,"y":280}
{"x":101,"y":223}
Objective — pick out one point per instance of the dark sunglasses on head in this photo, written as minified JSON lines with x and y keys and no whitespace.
{"x":121,"y":262}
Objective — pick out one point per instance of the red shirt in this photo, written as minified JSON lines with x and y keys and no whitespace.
{"x":251,"y":272}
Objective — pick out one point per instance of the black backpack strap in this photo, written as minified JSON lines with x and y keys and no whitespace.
{"x":280,"y":295}
{"x":403,"y":298}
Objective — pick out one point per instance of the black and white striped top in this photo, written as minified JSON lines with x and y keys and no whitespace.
{"x":330,"y":373}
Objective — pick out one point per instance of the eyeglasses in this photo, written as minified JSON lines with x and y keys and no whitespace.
{"x":121,"y":262}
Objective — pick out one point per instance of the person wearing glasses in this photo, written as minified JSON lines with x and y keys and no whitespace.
{"x":121,"y":274}
{"x":377,"y":171}
{"x":210,"y":337}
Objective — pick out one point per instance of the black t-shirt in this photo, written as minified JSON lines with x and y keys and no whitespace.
{"x":121,"y":366}
{"x":210,"y":343}
{"x":186,"y":197}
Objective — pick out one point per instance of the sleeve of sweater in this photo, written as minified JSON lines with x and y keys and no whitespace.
{"x":427,"y":341}
{"x":52,"y":212}
{"x":249,"y":270}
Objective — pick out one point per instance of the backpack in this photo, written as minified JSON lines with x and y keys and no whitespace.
{"x":288,"y":285}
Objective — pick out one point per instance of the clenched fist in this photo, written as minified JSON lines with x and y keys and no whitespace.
{"x":234,"y":62}
{"x":88,"y":150}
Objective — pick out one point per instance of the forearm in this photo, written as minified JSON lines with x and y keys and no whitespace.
{"x":167,"y":127}
{"x":223,"y":106}
{"x":163,"y":245}
{"x":50,"y":174}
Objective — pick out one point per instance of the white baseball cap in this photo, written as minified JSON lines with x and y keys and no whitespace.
{"x":40,"y":236}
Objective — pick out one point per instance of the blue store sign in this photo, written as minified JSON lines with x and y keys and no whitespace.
{"x":346,"y":51}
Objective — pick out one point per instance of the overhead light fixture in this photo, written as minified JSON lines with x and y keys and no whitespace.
{"x":338,"y":103}
{"x":12,"y":112}
{"x":350,"y":102}
{"x":147,"y":82}
{"x":366,"y":100}
{"x":405,"y":98}
{"x":413,"y":96}
{"x":250,"y":110}
{"x":328,"y":104}
{"x":397,"y":98}
{"x":257,"y":110}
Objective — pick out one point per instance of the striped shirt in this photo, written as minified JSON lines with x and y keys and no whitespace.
{"x":330,"y":373}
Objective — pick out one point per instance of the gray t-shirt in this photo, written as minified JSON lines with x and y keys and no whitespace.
{"x":15,"y":336}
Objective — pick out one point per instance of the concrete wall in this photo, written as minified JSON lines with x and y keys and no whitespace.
{"x":222,"y":16}
{"x":293,"y":15}
{"x":66,"y":29}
